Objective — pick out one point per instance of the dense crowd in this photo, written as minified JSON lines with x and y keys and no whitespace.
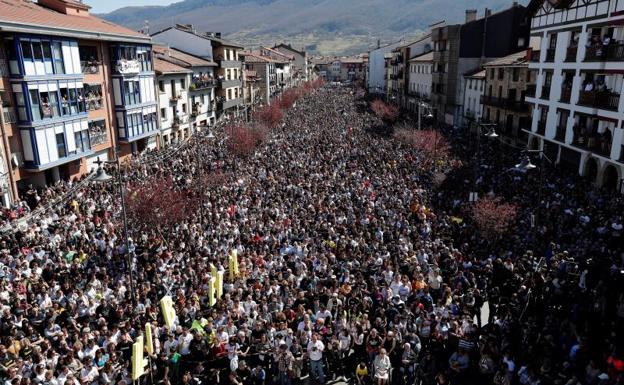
{"x":352,"y":268}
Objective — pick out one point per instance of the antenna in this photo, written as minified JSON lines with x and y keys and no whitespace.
{"x":146,"y":27}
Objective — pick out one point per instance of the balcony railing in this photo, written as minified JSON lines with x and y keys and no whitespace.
{"x":545,"y":92}
{"x":612,"y":52}
{"x":94,"y":103}
{"x":550,"y":55}
{"x":90,"y":67}
{"x":9,"y":115}
{"x":174,"y":99}
{"x":197,"y":84}
{"x":530,"y":90}
{"x":4,"y":68}
{"x":605,"y":99}
{"x":535,"y":56}
{"x":128,"y":66}
{"x":566,"y":93}
{"x":505,"y":103}
{"x":571,"y":53}
{"x":541,"y":127}
{"x":599,"y":144}
{"x":98,"y":137}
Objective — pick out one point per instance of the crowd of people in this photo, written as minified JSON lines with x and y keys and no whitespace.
{"x":351,"y":269}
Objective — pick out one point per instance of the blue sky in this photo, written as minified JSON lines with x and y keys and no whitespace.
{"x":101,"y":6}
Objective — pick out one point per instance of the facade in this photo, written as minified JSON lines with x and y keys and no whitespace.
{"x":211,"y":47}
{"x":173,"y":82}
{"x":461,"y":49}
{"x":503,"y":102}
{"x":420,"y":76}
{"x":322,"y":66}
{"x":300,"y":67}
{"x":578,"y":56}
{"x":264,"y":69}
{"x":74,"y":88}
{"x":400,"y":78}
{"x":251,"y":89}
{"x":474,"y":86}
{"x":283,"y":67}
{"x":377,"y":75}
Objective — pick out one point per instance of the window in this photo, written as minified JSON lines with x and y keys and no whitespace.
{"x":161,"y":86}
{"x":26,"y":50}
{"x":229,"y":94}
{"x":184,"y":108}
{"x":183,"y":84}
{"x":82,"y":141}
{"x":501,"y":74}
{"x":132,"y":92}
{"x":47,"y":57}
{"x":57,"y":57}
{"x":516,"y":74}
{"x":173,"y":88}
{"x":60,"y":145}
{"x":492,"y":73}
{"x":163,"y":113}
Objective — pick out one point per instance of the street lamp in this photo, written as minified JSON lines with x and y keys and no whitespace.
{"x":428,"y":116}
{"x":102,"y":177}
{"x":525,"y":164}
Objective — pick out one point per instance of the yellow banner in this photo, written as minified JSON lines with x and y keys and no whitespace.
{"x":166,"y":305}
{"x":149,"y":343}
{"x":211,"y":291}
{"x":219,"y":288}
{"x":137,"y":358}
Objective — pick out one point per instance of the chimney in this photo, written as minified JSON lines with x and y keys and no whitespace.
{"x":218,"y":35}
{"x":488,"y":12}
{"x":471,"y":15}
{"x":74,"y":8}
{"x":378,"y":43}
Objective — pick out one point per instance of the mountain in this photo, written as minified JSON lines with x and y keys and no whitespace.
{"x":321,"y":26}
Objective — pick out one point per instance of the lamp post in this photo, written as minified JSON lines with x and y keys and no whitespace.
{"x":102,"y":177}
{"x":428,"y":116}
{"x":526,"y":165}
{"x":490,"y":134}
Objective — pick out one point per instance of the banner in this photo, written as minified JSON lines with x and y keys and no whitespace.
{"x":166,"y":305}
{"x":213,"y":271}
{"x":233,"y":259}
{"x":211,"y":291}
{"x":137,"y":359}
{"x":219,"y":288}
{"x":149,"y":343}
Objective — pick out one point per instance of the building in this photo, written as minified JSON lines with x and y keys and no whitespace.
{"x":420,"y":76}
{"x":283,"y":67}
{"x":503,"y":101}
{"x":74,"y":88}
{"x":399,"y":79}
{"x":200,"y":89}
{"x":577,"y":54}
{"x":251,"y":90}
{"x":300,"y":68}
{"x":322,"y":65}
{"x":173,"y":81}
{"x":211,"y":47}
{"x":378,"y":73}
{"x":264,"y":69}
{"x":462,"y":48}
{"x":474,"y":87}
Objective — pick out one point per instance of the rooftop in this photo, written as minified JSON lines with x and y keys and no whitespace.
{"x":425,"y":57}
{"x":515,"y":59}
{"x":184,"y":59}
{"x":24,"y":15}
{"x":162,"y":66}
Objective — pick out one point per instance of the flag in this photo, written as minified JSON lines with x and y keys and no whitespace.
{"x":166,"y":305}
{"x":149,"y":343}
{"x":198,"y":326}
{"x":137,"y":358}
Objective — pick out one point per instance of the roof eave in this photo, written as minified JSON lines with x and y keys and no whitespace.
{"x":7,"y":26}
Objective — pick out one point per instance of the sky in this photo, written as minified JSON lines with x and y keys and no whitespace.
{"x":104,"y":6}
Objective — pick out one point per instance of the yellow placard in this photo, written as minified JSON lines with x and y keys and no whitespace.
{"x":219,"y":288}
{"x":166,"y":305}
{"x":211,"y":291}
{"x":149,"y":343}
{"x":137,"y":358}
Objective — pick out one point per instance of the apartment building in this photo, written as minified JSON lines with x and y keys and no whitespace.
{"x":211,"y":47}
{"x":506,"y":83}
{"x":420,"y":76}
{"x":73,"y":88}
{"x":378,"y":74}
{"x":300,"y":66}
{"x":283,"y":67}
{"x":474,"y":87}
{"x":578,"y":55}
{"x":462,"y":48}
{"x":399,"y":79}
{"x":173,"y":81}
{"x":264,"y":70}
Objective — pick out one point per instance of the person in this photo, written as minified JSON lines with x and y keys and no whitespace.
{"x":315,"y":350}
{"x":285,"y":361}
{"x":408,"y":361}
{"x":361,"y":373}
{"x":382,"y":367}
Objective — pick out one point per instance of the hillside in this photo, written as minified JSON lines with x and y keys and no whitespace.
{"x":322,"y":26}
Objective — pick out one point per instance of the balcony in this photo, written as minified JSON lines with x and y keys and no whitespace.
{"x":541,"y":127}
{"x":224,"y":105}
{"x":174,"y":99}
{"x":550,"y":55}
{"x":545,"y":92}
{"x":94,"y":103}
{"x":198,"y":84}
{"x":90,"y":67}
{"x":571,"y":54}
{"x":566,"y":93}
{"x":9,"y":115}
{"x":596,"y":143}
{"x":535,"y":56}
{"x":530,"y":90}
{"x":230,"y":64}
{"x":612,"y":52}
{"x":605,"y":100}
{"x":228,"y":83}
{"x":506,"y":103}
{"x":4,"y":68}
{"x":98,"y":137}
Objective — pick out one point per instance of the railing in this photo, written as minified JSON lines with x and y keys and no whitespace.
{"x":535,"y":56}
{"x":545,"y":92}
{"x":9,"y":115}
{"x":599,"y":144}
{"x":97,"y":138}
{"x":4,"y":68}
{"x":541,"y":127}
{"x":197,"y":85}
{"x":561,"y":133}
{"x":90,"y":67}
{"x":571,"y":53}
{"x":530,"y":90}
{"x":550,"y":55}
{"x":94,"y":103}
{"x":605,"y":100}
{"x":566,"y":93}
{"x":174,"y":99}
{"x":123,"y":66}
{"x":612,"y":52}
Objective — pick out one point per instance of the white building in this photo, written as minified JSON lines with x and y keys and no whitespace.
{"x":376,"y":78}
{"x":173,"y":81}
{"x":420,"y":76}
{"x":299,"y":66}
{"x":578,"y":109}
{"x":474,"y":86}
